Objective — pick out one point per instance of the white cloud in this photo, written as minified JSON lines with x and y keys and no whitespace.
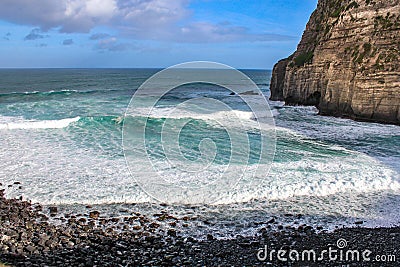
{"x":164,"y":20}
{"x":151,"y":12}
{"x":82,"y":16}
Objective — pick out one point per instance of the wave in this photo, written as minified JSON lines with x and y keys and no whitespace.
{"x":11,"y":123}
{"x":53,"y":92}
{"x":157,"y":116}
{"x":178,"y":113}
{"x":45,"y":124}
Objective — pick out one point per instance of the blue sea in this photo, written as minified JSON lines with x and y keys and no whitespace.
{"x":61,"y":137}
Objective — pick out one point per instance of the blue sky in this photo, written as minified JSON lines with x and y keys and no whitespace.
{"x":149,"y":33}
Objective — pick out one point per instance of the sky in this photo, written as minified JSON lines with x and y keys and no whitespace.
{"x":250,"y":34}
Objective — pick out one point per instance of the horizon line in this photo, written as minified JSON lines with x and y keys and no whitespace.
{"x":104,"y":68}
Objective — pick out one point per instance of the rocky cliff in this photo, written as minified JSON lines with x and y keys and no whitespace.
{"x":347,"y":62}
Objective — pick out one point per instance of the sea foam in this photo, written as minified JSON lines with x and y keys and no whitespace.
{"x":36,"y":124}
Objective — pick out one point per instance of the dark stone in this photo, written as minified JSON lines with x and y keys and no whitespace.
{"x":271,"y":221}
{"x":94,"y":214}
{"x":171,"y":232}
{"x":53,"y":209}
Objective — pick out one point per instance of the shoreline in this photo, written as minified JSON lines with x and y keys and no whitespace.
{"x":29,"y":239}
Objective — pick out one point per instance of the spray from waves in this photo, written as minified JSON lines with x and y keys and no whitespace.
{"x":177,"y":113}
{"x":307,"y":176}
{"x":82,"y":122}
{"x":13,"y":123}
{"x":46,"y":124}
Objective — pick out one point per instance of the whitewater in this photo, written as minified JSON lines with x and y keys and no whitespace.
{"x":61,"y":137}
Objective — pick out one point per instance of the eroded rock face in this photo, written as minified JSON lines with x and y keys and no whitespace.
{"x":347,"y":63}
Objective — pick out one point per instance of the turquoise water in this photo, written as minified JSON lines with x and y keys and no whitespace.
{"x":61,"y":137}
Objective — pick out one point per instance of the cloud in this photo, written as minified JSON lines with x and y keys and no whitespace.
{"x":161,"y":20}
{"x":7,"y":36}
{"x":81,"y":16}
{"x":41,"y":45}
{"x":151,"y":13}
{"x":99,"y":36}
{"x":68,"y":42}
{"x":34,"y":35}
{"x":68,"y":15}
{"x":112,"y":44}
{"x":224,"y":32}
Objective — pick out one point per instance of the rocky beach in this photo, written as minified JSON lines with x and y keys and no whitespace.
{"x":92,"y":142}
{"x":30,"y":237}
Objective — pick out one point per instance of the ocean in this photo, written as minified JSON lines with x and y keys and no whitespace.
{"x":61,"y":137}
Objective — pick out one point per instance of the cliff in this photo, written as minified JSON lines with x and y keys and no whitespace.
{"x":347,"y":62}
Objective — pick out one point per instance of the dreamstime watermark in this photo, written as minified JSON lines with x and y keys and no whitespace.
{"x":173,"y":135}
{"x":339,"y":252}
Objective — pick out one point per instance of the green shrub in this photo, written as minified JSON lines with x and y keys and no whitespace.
{"x":303,"y":59}
{"x":367,"y":48}
{"x":353,"y":4}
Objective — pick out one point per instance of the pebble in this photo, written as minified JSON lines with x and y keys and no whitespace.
{"x":271,"y":221}
{"x":94,"y":214}
{"x":171,"y":232}
{"x":53,"y":209}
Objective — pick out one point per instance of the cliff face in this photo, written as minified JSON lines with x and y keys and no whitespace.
{"x":347,"y":63}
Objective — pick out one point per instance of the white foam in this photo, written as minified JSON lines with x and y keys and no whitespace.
{"x":35,"y":124}
{"x":176,"y":113}
{"x":59,"y":171}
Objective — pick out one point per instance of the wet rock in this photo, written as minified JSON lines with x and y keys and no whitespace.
{"x":70,"y":244}
{"x":171,"y":232}
{"x":30,"y":249}
{"x":154,"y":225}
{"x":271,"y":221}
{"x":245,"y":244}
{"x":94,"y":214}
{"x":53,"y":209}
{"x":115,"y":220}
{"x":136,"y":227}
